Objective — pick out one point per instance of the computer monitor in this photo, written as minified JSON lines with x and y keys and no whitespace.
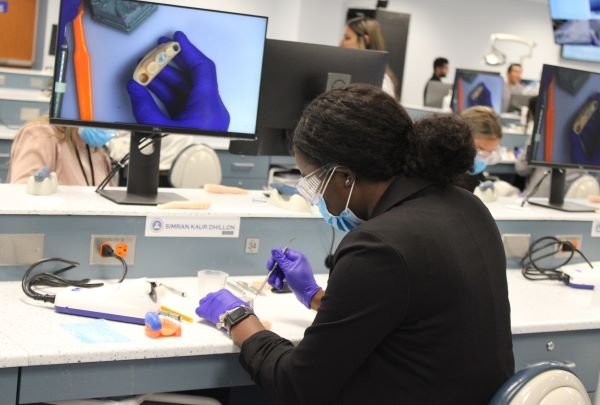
{"x":518,"y":101}
{"x":435,"y":93}
{"x":476,"y":87}
{"x":585,"y":53}
{"x":294,"y":73}
{"x":577,"y":32}
{"x":567,"y":124}
{"x":154,"y":68}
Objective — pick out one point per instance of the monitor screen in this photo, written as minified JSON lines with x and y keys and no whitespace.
{"x":474,"y":87}
{"x":294,"y":73}
{"x":583,"y":53}
{"x":574,"y":9}
{"x":161,"y":68}
{"x":577,"y":32}
{"x":567,"y":121}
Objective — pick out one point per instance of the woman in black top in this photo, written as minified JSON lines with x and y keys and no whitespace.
{"x":416,"y":307}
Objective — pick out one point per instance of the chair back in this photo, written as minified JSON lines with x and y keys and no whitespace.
{"x":195,"y":166}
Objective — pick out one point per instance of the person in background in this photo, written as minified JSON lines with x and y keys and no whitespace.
{"x":513,"y":84}
{"x":75,"y":154}
{"x":487,"y":133}
{"x":440,"y":70}
{"x":365,"y":33}
{"x":411,"y":313}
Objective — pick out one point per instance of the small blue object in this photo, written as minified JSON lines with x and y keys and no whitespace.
{"x":153,"y":320}
{"x":284,"y":189}
{"x":96,"y":137}
{"x":42,"y":174}
{"x":486,"y":185}
{"x":3,"y":7}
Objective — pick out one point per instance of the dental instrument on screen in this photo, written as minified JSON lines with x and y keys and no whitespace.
{"x":60,"y":86}
{"x":264,"y":283}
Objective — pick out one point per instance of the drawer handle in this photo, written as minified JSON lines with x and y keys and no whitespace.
{"x":243,"y":166}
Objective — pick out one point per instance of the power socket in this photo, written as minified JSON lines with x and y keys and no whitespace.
{"x":576,"y":240}
{"x":123,"y":246}
{"x":516,"y":245}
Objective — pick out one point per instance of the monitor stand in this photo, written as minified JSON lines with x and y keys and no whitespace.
{"x":557,"y":195}
{"x":143,"y":172}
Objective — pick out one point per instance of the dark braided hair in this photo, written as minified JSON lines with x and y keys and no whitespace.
{"x":357,"y":126}
{"x":364,"y":129}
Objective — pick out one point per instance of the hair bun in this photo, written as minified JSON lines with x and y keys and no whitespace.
{"x":443,"y":149}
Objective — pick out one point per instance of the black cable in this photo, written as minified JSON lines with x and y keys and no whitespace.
{"x":545,"y":247}
{"x":89,"y":153}
{"x":87,"y":182}
{"x":122,"y":163}
{"x":329,"y":257}
{"x":51,"y":279}
{"x":107,"y":251}
{"x":535,"y":188}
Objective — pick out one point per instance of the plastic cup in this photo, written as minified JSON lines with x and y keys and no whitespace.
{"x":210,"y":281}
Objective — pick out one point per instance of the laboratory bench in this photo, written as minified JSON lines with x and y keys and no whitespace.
{"x":41,"y":360}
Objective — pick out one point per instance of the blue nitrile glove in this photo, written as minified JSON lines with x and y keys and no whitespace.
{"x":96,"y":137}
{"x":480,"y":95}
{"x":190,"y":94}
{"x":293,"y":267}
{"x":216,"y":304}
{"x":68,"y":12}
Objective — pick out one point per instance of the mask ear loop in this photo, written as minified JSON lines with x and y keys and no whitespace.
{"x":322,"y":191}
{"x":350,"y":195}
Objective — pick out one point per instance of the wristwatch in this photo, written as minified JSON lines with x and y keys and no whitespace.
{"x":229,"y":319}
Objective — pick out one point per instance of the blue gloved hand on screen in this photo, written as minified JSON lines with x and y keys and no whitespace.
{"x":68,"y":12}
{"x":190,"y":94}
{"x":216,"y":304}
{"x":95,"y":137}
{"x":293,"y":267}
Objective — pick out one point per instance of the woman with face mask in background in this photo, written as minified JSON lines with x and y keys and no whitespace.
{"x":365,"y":33}
{"x":415,"y":311}
{"x":487,"y":134}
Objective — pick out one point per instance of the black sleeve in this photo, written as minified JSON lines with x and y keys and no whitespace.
{"x":366,"y":296}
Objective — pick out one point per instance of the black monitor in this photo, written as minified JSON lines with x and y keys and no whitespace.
{"x":294,"y":73}
{"x":477,"y":87}
{"x":567,"y":125}
{"x":154,"y":68}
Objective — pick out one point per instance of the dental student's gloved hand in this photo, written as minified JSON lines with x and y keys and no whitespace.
{"x":190,"y":94}
{"x":293,"y":267}
{"x":68,"y":12}
{"x":95,"y":137}
{"x":216,"y":304}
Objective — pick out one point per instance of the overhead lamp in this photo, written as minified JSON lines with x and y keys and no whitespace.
{"x":495,"y":57}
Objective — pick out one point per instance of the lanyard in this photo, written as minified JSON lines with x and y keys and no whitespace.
{"x":89,"y":153}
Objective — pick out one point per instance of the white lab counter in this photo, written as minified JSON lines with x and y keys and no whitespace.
{"x":35,"y":335}
{"x":76,"y":200}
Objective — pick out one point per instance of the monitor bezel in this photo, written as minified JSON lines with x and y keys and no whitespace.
{"x":150,"y":129}
{"x":537,"y":123}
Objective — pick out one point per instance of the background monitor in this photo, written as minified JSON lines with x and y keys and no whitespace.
{"x":435,"y":93}
{"x":475,"y":87}
{"x":577,"y":32}
{"x":567,"y":125}
{"x":294,"y":73}
{"x":155,"y":68}
{"x":585,"y":53}
{"x":574,"y":9}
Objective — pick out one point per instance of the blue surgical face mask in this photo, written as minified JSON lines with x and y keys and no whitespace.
{"x":346,"y":220}
{"x":479,"y":165}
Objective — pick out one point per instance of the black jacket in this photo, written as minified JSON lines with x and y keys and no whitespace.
{"x":416,"y":310}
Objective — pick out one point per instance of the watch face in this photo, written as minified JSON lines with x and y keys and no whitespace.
{"x":236,"y":315}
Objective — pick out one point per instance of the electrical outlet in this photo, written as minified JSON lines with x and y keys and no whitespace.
{"x":516,"y":245}
{"x":123,"y":245}
{"x":576,"y":240}
{"x":252,"y":245}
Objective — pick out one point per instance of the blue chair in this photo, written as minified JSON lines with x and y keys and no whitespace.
{"x":547,"y":383}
